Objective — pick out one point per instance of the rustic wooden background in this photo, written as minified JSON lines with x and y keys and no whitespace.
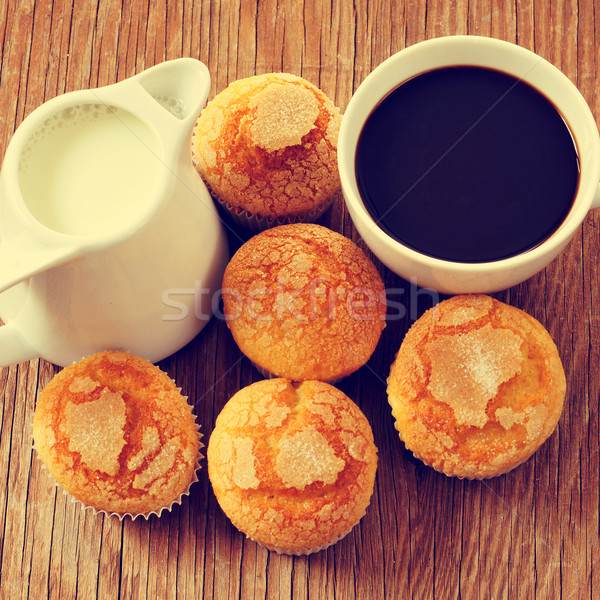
{"x":533,"y":533}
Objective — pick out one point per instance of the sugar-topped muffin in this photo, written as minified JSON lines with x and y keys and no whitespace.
{"x":304,"y":302}
{"x":267,"y":147}
{"x":292,"y":465}
{"x":477,"y":386}
{"x":116,"y":433}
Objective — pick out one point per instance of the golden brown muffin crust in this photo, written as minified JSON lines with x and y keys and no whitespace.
{"x":292,"y":465}
{"x":304,"y":302}
{"x":268,"y":144}
{"x":476,"y":387}
{"x":116,"y":433}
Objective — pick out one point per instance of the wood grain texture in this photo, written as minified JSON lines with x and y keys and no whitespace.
{"x":531,"y":534}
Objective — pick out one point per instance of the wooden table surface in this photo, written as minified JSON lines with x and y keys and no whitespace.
{"x":533,"y":533}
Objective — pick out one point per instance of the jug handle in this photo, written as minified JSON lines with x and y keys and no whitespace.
{"x":25,"y":255}
{"x":14,"y":348}
{"x":22,"y":257}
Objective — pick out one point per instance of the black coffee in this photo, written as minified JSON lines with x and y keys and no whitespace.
{"x":467,"y":164}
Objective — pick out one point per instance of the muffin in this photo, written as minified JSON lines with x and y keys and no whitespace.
{"x":267,"y":148}
{"x":304,"y":302}
{"x":292,"y":465}
{"x":476,"y":387}
{"x":116,"y":433}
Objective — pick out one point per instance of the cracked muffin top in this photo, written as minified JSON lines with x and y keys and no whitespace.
{"x":476,"y":387}
{"x":267,"y":145}
{"x":116,"y":433}
{"x":304,"y":302}
{"x":292,"y":465}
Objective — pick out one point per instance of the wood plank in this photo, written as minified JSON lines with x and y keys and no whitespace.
{"x":588,"y":24}
{"x":532,"y":533}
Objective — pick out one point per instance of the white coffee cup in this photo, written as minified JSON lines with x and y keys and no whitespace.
{"x":457,"y":277}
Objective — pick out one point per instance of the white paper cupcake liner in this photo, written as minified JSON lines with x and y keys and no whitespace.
{"x":304,"y":552}
{"x":268,"y":375}
{"x":471,"y":478}
{"x":257,"y":223}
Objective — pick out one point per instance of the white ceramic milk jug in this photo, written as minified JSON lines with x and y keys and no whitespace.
{"x":108,"y":236}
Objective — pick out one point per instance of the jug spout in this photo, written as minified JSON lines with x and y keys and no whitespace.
{"x":168,"y":96}
{"x":180,"y":86}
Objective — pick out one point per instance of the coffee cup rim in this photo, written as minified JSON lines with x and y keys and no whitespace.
{"x":372,"y":90}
